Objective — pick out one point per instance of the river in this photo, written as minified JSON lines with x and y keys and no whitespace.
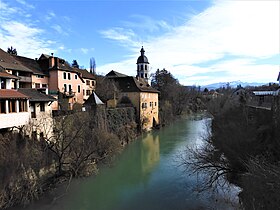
{"x":147,"y":175}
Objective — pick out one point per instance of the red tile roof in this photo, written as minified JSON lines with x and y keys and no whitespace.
{"x":7,"y":75}
{"x":11,"y":94}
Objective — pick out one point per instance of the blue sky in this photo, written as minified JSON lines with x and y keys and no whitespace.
{"x":199,"y":42}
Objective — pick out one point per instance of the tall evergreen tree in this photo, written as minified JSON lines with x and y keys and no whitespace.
{"x":92,"y":66}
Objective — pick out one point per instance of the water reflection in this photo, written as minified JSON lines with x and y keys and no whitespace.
{"x":149,"y":153}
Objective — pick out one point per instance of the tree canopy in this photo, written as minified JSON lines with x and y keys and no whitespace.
{"x":12,"y":51}
{"x":75,"y":64}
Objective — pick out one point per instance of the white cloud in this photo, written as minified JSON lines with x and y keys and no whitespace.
{"x":50,"y":16}
{"x":245,"y":29}
{"x":84,"y":50}
{"x":124,"y":36}
{"x":25,"y":4}
{"x":59,"y":30}
{"x":24,"y":38}
{"x":18,"y":31}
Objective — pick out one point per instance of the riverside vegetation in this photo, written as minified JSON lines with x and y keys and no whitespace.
{"x":241,"y":146}
{"x":79,"y":143}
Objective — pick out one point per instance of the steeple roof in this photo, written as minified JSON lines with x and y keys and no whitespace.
{"x":142,"y":58}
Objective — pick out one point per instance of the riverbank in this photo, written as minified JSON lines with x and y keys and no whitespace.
{"x":84,"y":141}
{"x":243,"y":148}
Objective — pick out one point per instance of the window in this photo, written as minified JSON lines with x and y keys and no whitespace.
{"x":42,"y":107}
{"x":40,"y":76}
{"x":2,"y":106}
{"x":142,"y":75}
{"x":76,"y":76}
{"x":37,"y":85}
{"x":3,"y":83}
{"x":83,"y":92}
{"x":64,"y":75}
{"x":22,"y":106}
{"x":65,"y":87}
{"x":144,"y":105}
{"x":155,"y":103}
{"x":69,"y":76}
{"x":151,"y":104}
{"x":44,"y":85}
{"x":88,"y":92}
{"x":12,"y":106}
{"x":79,"y":88}
{"x":92,"y":83}
{"x":142,"y":67}
{"x":146,"y":75}
{"x":146,"y":67}
{"x":87,"y":82}
{"x":70,"y":88}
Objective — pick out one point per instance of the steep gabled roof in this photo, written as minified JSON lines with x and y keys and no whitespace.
{"x":85,"y":74}
{"x":35,"y":95}
{"x":12,"y":94}
{"x":8,"y":62}
{"x":93,"y":100}
{"x":113,"y":74}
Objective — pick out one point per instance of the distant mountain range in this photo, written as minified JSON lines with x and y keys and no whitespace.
{"x":232,"y":84}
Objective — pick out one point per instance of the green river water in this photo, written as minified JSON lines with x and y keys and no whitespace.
{"x":147,"y":175}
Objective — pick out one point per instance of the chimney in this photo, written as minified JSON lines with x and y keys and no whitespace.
{"x":51,"y":61}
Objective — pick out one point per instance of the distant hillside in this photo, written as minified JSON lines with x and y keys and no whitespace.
{"x":232,"y":84}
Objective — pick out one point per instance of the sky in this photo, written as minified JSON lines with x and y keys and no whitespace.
{"x":199,"y":41}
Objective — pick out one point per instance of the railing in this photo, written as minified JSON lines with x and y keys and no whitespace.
{"x":24,"y":79}
{"x":69,"y":94}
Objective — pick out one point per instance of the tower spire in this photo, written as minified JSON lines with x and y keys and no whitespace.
{"x":143,"y":66}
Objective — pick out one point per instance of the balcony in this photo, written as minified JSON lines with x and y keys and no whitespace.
{"x":14,"y":119}
{"x":24,"y":79}
{"x":69,"y":94}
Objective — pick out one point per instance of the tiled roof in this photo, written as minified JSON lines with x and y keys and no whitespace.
{"x":7,"y":75}
{"x":8,"y":62}
{"x":31,"y":64}
{"x":113,"y":74}
{"x":35,"y":95}
{"x":11,"y":94}
{"x":132,"y":84}
{"x":85,"y":73}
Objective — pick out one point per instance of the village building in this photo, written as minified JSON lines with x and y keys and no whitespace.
{"x":40,"y":118}
{"x":69,"y":85}
{"x":9,"y":64}
{"x":138,"y":92}
{"x":14,"y":109}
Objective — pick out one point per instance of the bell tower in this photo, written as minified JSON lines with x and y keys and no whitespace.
{"x":143,"y":66}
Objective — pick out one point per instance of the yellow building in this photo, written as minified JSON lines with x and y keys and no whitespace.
{"x":138,"y":91}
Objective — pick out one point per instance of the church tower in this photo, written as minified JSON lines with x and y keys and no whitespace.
{"x":143,"y":66}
